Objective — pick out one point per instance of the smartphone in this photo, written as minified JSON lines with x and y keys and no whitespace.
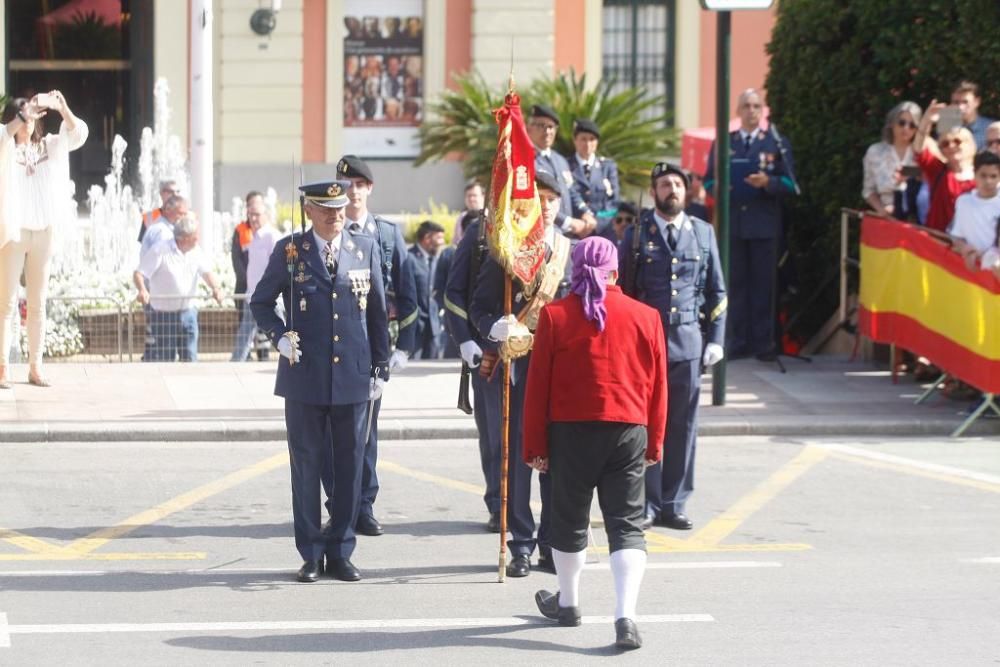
{"x":949,"y":118}
{"x":911,"y":171}
{"x":43,"y":100}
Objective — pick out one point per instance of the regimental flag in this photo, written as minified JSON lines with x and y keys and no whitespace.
{"x":515,"y":229}
{"x":918,"y":294}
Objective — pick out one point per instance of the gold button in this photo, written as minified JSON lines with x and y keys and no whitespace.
{"x":334,"y":295}
{"x":336,"y":316}
{"x":336,"y":360}
{"x":697,"y":257}
{"x":673,"y":277}
{"x":673,"y":293}
{"x":649,"y":260}
{"x":336,"y":339}
{"x":673,"y":310}
{"x":674,"y":260}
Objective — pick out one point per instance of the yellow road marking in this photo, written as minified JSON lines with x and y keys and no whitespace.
{"x":707,"y":549}
{"x":920,"y":472}
{"x":433,"y":479}
{"x":27,"y":542}
{"x":68,"y":555}
{"x":723,"y":525}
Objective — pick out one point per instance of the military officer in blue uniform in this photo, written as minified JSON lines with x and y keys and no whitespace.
{"x":575,"y":217}
{"x":464,"y":268}
{"x":334,"y":347}
{"x":595,"y":177}
{"x":401,"y":305}
{"x":485,"y":314}
{"x":672,"y":264}
{"x":762,"y":175}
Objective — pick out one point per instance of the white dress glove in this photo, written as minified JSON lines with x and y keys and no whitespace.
{"x":713,"y":354}
{"x":500,"y":331}
{"x":287,"y":350}
{"x":398,"y":361}
{"x":471,"y":353}
{"x":375,"y":389}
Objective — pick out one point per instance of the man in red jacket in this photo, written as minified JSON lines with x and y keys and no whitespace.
{"x":595,"y":411}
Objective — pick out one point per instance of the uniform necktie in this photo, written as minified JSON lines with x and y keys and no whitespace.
{"x":329,"y":259}
{"x":586,"y":171}
{"x":672,"y":236}
{"x":746,"y":143}
{"x":355,"y":227}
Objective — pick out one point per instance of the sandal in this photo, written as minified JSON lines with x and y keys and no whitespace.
{"x":37,"y":380}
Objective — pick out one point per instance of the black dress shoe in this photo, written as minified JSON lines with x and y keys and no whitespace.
{"x":493,"y":525}
{"x":310,"y":571}
{"x":548,"y":604}
{"x":343,"y":569}
{"x":648,"y":521}
{"x":676,"y":521}
{"x":368,"y":525}
{"x":545,"y":563}
{"x":626,"y":634}
{"x":519,"y":567}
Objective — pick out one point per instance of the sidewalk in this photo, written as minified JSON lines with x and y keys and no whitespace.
{"x":225,"y":401}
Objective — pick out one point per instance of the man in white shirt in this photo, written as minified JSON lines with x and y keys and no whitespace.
{"x":172,"y":268}
{"x":977,"y":213}
{"x":264,"y":238}
{"x":175,"y":208}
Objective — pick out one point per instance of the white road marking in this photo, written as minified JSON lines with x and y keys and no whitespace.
{"x":993,"y":560}
{"x":4,"y":631}
{"x":349,"y":626}
{"x":913,"y":463}
{"x":372,"y":573}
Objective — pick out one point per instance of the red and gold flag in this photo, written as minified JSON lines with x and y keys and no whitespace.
{"x":515,"y":229}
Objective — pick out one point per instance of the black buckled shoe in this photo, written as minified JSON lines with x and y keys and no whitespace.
{"x":677,"y":521}
{"x":368,"y":525}
{"x":548,"y":604}
{"x":627,"y":635}
{"x":310,"y":571}
{"x":493,"y":524}
{"x":520,"y":566}
{"x":343,"y":569}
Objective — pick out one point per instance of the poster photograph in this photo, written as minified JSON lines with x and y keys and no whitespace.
{"x":383,"y":77}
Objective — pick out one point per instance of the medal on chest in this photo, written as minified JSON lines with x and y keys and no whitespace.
{"x":361,"y":284}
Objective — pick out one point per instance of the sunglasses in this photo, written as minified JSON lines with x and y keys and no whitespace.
{"x":950,"y":142}
{"x":624,"y":219}
{"x":548,"y":127}
{"x":906,"y":123}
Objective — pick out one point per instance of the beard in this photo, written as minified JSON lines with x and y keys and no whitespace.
{"x":670,"y":206}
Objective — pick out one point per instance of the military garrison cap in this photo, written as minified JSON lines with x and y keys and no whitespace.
{"x":328,"y":194}
{"x":351,"y":166}
{"x":585,"y":125}
{"x":664,"y":168}
{"x":548,"y":181}
{"x":542,"y":111}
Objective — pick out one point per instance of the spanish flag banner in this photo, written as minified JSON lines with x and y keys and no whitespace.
{"x":918,"y":294}
{"x":515,"y":229}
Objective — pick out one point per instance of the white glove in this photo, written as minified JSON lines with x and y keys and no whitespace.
{"x":398,"y":361}
{"x":500,"y":331}
{"x":471,"y":353}
{"x":289,"y":351}
{"x":713,"y":354}
{"x":375,"y":389}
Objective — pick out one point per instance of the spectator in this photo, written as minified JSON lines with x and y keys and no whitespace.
{"x":946,"y":166}
{"x":175,"y":208}
{"x":624,"y":218}
{"x":475,"y":200}
{"x":966,"y":97}
{"x":167,"y":190}
{"x":993,"y":137}
{"x":885,"y":188}
{"x":172,"y":268}
{"x":424,"y":260}
{"x":36,"y":201}
{"x":695,"y":204}
{"x":263,"y":238}
{"x":977,"y":213}
{"x":240,"y":243}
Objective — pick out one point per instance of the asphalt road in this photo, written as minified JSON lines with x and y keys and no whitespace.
{"x":805,"y":552}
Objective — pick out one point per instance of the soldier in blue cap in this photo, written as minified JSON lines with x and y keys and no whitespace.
{"x":671,"y":262}
{"x":334,"y":346}
{"x":401,"y":304}
{"x":575,"y":217}
{"x":595,"y":177}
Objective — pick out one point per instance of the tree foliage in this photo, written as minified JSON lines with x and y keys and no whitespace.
{"x":837,"y":67}
{"x":462,"y":123}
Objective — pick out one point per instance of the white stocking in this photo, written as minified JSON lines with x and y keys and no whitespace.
{"x":568,"y":569}
{"x":627,"y":566}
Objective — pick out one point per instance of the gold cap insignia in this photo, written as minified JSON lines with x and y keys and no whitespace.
{"x":333,"y":190}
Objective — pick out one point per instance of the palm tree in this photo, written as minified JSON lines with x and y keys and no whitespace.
{"x":631,"y":134}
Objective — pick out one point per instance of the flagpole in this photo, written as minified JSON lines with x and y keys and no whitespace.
{"x":504,"y":440}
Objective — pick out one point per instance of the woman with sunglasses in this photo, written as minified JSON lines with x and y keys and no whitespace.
{"x":885,"y":187}
{"x":38,"y":196}
{"x":946,"y":165}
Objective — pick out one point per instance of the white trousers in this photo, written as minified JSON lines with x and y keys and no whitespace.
{"x":31,"y":254}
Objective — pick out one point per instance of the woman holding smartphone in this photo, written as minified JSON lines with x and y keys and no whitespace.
{"x":946,"y":164}
{"x":36,"y":193}
{"x":887,"y":163}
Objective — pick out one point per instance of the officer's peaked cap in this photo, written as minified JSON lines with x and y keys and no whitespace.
{"x":329,"y":194}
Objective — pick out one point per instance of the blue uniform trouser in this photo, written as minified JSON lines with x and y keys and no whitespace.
{"x":520,"y":521}
{"x":670,"y":482}
{"x":486,"y":411}
{"x":369,"y":478}
{"x":320,"y":436}
{"x":750,"y":317}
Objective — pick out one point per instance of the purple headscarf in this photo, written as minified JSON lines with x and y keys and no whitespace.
{"x":593,"y":259}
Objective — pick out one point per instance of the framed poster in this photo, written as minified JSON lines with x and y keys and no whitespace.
{"x":383,"y":77}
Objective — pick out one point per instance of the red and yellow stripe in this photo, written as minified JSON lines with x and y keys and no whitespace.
{"x":918,"y":294}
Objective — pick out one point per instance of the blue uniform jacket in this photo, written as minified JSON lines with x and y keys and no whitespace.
{"x":668,"y":281}
{"x":456,"y":290}
{"x":400,"y":291}
{"x":341,"y":343}
{"x":600,"y":191}
{"x":758,"y":216}
{"x":571,"y":204}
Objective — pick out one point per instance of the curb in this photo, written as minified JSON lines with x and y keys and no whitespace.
{"x":257,"y":431}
